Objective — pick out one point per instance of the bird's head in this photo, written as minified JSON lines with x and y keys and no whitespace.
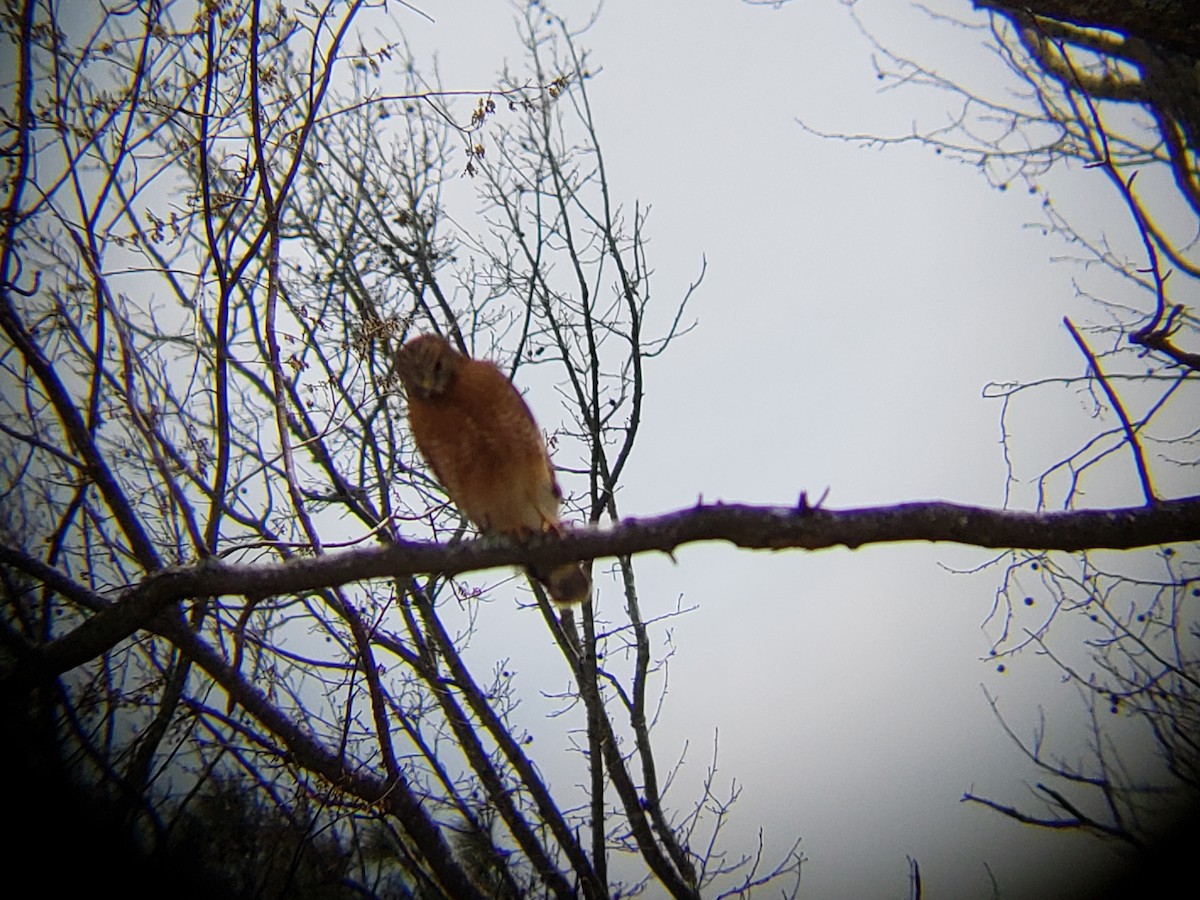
{"x":427,"y":365}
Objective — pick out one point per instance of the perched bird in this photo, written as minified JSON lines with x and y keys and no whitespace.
{"x":479,"y":437}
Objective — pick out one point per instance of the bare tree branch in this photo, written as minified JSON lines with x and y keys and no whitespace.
{"x":750,"y":527}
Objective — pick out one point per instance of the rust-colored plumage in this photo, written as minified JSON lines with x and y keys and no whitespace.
{"x":481,"y":440}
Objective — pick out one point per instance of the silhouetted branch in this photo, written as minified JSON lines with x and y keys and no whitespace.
{"x":750,"y":527}
{"x":1135,"y":445}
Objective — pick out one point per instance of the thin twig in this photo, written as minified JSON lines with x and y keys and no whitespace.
{"x":1138,"y":456}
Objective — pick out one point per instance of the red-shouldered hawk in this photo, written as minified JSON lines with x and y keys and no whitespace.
{"x":479,"y":437}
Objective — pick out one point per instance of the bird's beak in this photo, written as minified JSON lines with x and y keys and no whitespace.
{"x":423,"y":385}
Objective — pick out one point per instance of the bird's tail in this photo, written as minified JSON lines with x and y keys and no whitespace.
{"x":567,"y":584}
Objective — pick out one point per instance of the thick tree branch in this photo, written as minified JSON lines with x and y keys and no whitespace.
{"x":750,"y":527}
{"x":1168,"y":23}
{"x":394,"y":794}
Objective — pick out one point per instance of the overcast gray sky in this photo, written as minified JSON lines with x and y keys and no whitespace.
{"x":856,"y":304}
